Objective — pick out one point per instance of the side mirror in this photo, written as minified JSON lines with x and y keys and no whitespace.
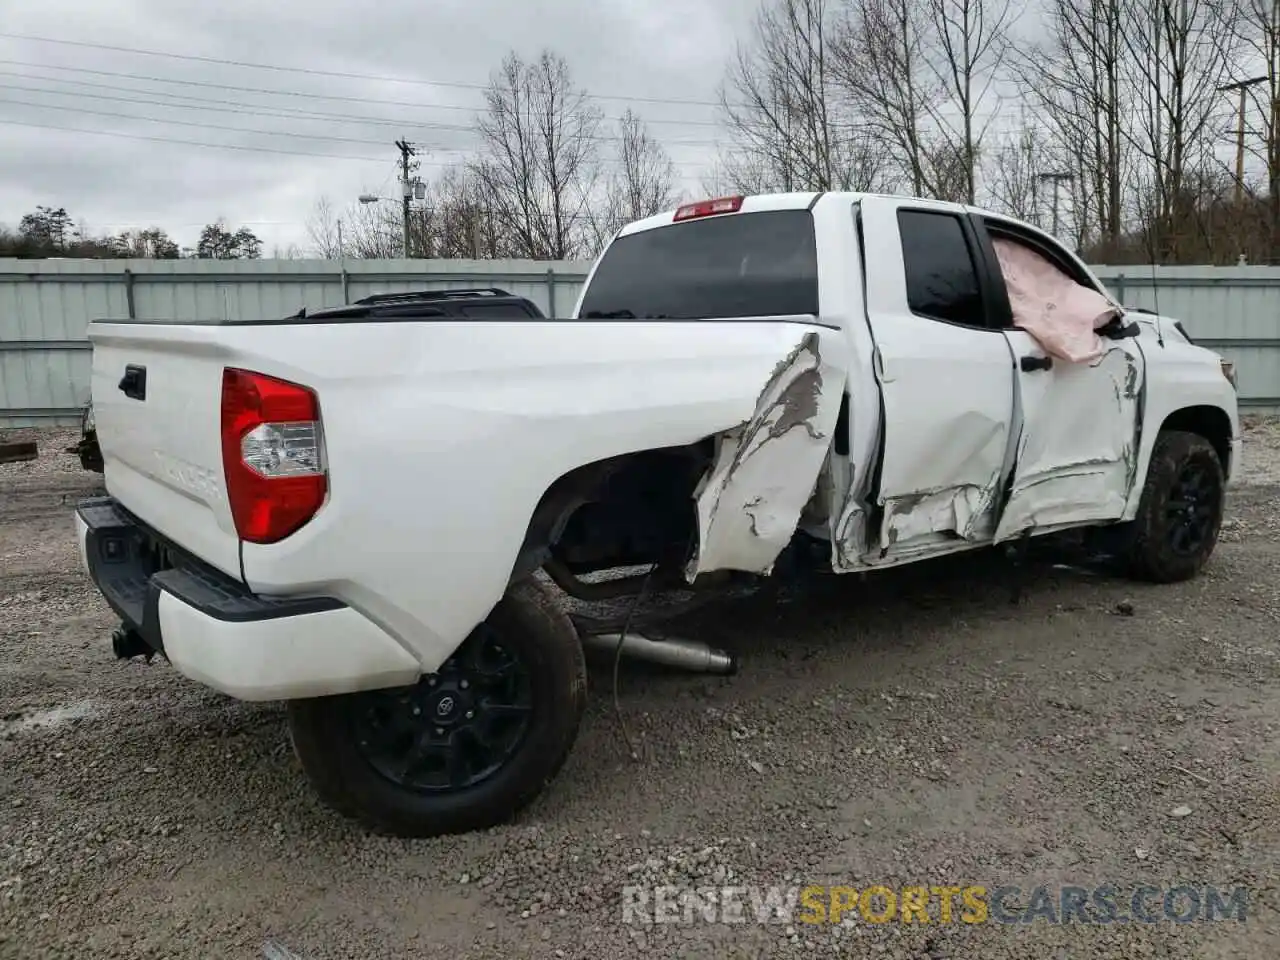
{"x":1117,"y":329}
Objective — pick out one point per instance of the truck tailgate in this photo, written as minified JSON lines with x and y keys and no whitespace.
{"x":156,"y":398}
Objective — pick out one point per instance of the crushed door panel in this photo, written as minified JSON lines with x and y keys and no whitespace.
{"x":1079,"y":398}
{"x":1078,"y":448}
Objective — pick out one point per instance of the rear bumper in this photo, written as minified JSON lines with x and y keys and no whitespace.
{"x":218,"y":633}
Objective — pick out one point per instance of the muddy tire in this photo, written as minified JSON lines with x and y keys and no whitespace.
{"x":463,"y":749}
{"x":1180,"y":513}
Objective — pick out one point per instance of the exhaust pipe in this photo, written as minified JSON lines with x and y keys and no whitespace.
{"x":682,"y":654}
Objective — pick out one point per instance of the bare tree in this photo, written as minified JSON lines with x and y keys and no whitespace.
{"x":783,"y":101}
{"x":1178,"y":55}
{"x":1255,"y":29}
{"x":464,"y":222}
{"x":1076,"y":78}
{"x":373,"y":231}
{"x":1014,"y":179}
{"x":971,"y":38}
{"x":642,"y":183}
{"x":646,"y":179}
{"x":323,"y":231}
{"x":538,"y":160}
{"x":882,"y":63}
{"x":737,"y":171}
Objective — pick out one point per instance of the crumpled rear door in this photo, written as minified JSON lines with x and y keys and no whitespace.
{"x":946,"y":388}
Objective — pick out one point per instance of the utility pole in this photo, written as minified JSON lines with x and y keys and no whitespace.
{"x":1242,"y":86}
{"x":406,"y":185}
{"x":1055,"y":179}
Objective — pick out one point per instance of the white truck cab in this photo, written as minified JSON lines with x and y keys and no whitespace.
{"x":347,"y":510}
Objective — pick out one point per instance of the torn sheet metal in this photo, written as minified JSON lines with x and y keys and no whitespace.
{"x":917,"y":526}
{"x":766,"y":470}
{"x":849,"y":537}
{"x":958,"y":484}
{"x":1077,"y":455}
{"x":962,"y":512}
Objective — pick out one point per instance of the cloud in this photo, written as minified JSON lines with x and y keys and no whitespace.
{"x":663,"y":50}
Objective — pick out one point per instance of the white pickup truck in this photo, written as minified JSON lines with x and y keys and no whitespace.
{"x":347,"y":510}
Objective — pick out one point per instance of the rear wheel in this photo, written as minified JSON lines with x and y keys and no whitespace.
{"x":465,"y":748}
{"x":1180,"y":513}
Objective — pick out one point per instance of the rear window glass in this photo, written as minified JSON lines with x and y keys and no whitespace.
{"x":742,"y":265}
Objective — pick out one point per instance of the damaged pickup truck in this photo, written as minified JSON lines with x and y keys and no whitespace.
{"x":357,"y":511}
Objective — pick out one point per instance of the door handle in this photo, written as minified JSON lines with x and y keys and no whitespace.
{"x":1031,"y":364}
{"x":134,"y":382}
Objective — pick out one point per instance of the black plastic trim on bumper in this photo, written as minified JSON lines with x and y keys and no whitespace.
{"x":122,"y":557}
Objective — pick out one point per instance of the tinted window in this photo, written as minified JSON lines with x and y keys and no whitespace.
{"x":741,"y":265}
{"x":942,"y":281}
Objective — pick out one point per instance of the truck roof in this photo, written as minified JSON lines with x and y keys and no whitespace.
{"x":750,"y":204}
{"x":760,"y":202}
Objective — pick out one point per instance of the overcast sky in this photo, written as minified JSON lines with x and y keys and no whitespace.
{"x":661,"y":50}
{"x":302,"y":135}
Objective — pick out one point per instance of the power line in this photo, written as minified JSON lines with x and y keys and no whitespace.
{"x":267,"y":91}
{"x":324,"y":73}
{"x":204,"y":102}
{"x":190,"y":143}
{"x":285,"y":114}
{"x":209,"y":126}
{"x":209,"y":84}
{"x":194,"y":123}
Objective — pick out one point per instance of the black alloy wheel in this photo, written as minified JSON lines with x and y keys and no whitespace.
{"x":465,"y":748}
{"x":457,"y":727}
{"x":1191,"y":512}
{"x":1180,"y":513}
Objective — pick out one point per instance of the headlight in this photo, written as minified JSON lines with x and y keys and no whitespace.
{"x":1229,"y":371}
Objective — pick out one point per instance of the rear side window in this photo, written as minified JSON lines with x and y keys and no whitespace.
{"x":942,"y":281}
{"x":742,"y":265}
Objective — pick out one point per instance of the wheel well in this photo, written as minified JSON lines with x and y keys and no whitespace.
{"x":1212,"y":423}
{"x":633,"y":509}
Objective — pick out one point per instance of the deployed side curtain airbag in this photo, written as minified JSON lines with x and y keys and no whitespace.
{"x":1059,"y":313}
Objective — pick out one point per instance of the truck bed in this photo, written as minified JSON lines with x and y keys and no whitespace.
{"x":440,"y":437}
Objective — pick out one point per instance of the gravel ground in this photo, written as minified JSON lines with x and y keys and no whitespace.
{"x":915,"y":727}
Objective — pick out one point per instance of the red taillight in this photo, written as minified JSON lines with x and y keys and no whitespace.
{"x":270,"y":454}
{"x":708,"y":208}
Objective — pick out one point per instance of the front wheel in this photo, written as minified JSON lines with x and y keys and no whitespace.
{"x":1180,"y":513}
{"x":465,"y":748}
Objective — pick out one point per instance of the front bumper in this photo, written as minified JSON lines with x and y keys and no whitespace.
{"x":213,"y":629}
